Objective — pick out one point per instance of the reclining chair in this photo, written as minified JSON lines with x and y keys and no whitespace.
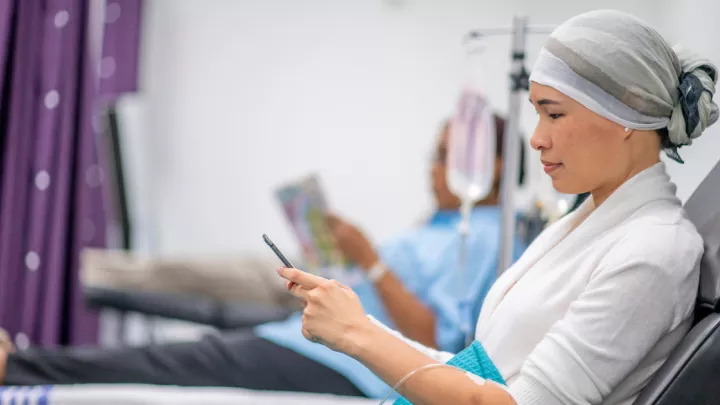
{"x":692,"y":373}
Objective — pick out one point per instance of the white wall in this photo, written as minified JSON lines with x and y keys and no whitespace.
{"x":239,"y":96}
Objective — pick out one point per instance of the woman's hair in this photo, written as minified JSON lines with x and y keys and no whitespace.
{"x":620,"y":68}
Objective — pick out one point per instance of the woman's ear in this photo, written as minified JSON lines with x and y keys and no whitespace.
{"x":628,"y":132}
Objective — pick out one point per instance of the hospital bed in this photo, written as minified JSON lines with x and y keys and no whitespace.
{"x":690,"y":376}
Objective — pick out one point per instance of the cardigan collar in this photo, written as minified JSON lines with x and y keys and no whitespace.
{"x":651,"y":185}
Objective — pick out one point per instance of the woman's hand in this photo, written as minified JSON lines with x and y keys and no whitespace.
{"x":352,"y":242}
{"x":333,"y":314}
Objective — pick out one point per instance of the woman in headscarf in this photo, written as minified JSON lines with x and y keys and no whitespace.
{"x":601,"y":298}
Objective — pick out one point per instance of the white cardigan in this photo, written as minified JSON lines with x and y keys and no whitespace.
{"x":588,"y":316}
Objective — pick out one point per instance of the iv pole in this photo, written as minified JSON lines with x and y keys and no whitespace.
{"x":519,"y":83}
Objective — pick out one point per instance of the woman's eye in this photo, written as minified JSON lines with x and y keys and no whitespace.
{"x":555,"y":116}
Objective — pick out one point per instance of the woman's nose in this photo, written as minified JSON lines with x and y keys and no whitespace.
{"x":540,"y":139}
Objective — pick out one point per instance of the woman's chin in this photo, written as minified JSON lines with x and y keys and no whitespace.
{"x":564,"y":188}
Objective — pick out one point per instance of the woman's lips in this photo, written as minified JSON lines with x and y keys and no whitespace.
{"x":550,"y":167}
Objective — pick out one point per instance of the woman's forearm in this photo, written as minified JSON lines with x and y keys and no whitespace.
{"x":391,"y":359}
{"x":412,"y":318}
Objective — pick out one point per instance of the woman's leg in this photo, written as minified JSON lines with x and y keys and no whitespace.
{"x":240,"y":360}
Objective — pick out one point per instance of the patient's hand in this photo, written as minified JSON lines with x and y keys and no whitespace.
{"x":333,"y":313}
{"x":352,"y":242}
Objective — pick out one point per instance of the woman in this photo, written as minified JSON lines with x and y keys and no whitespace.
{"x":600,"y":299}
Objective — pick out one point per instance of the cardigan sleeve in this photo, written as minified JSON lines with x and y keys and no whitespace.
{"x":639,"y":293}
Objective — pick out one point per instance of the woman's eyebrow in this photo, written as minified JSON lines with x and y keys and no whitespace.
{"x":545,"y":101}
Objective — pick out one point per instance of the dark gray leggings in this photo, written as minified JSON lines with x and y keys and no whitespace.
{"x":240,"y":360}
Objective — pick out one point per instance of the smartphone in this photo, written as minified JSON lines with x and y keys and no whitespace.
{"x":279,"y":254}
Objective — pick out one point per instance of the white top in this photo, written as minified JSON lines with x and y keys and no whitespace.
{"x":587,"y":316}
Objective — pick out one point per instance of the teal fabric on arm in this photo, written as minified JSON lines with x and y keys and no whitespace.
{"x":472,"y":359}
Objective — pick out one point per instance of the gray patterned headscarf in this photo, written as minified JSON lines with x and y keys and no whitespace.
{"x":618,"y":67}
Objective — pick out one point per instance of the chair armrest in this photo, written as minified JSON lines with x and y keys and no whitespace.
{"x":219,"y":314}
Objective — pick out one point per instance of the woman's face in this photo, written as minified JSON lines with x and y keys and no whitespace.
{"x":580,"y":150}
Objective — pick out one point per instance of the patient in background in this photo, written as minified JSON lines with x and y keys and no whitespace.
{"x":410,"y":286}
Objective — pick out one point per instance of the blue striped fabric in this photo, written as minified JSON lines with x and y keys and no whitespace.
{"x":37,"y":395}
{"x":475,"y":360}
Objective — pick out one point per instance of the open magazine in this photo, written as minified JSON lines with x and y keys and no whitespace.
{"x":305,"y":206}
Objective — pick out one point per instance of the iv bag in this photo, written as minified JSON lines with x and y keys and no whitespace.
{"x":471,"y":148}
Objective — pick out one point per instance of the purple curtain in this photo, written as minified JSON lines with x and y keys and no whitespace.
{"x":52,"y":201}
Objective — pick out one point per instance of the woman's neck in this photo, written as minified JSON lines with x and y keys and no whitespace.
{"x":602,"y":193}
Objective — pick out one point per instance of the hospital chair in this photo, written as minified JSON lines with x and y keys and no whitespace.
{"x":692,"y":374}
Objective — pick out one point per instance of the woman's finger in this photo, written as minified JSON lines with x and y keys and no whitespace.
{"x":301,"y":292}
{"x":302,"y":278}
{"x":343,"y":286}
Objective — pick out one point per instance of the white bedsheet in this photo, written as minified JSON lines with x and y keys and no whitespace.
{"x":162,"y":395}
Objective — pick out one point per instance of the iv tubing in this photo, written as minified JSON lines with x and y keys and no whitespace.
{"x":464,"y":230}
{"x":412,"y":373}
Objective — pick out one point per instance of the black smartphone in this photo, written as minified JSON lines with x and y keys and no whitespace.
{"x":277,"y":251}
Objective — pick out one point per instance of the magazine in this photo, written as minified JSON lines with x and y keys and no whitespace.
{"x":305,"y":206}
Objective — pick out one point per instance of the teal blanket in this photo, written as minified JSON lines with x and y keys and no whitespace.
{"x":473,"y":359}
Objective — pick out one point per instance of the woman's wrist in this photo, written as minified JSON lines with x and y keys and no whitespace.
{"x":360,"y":338}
